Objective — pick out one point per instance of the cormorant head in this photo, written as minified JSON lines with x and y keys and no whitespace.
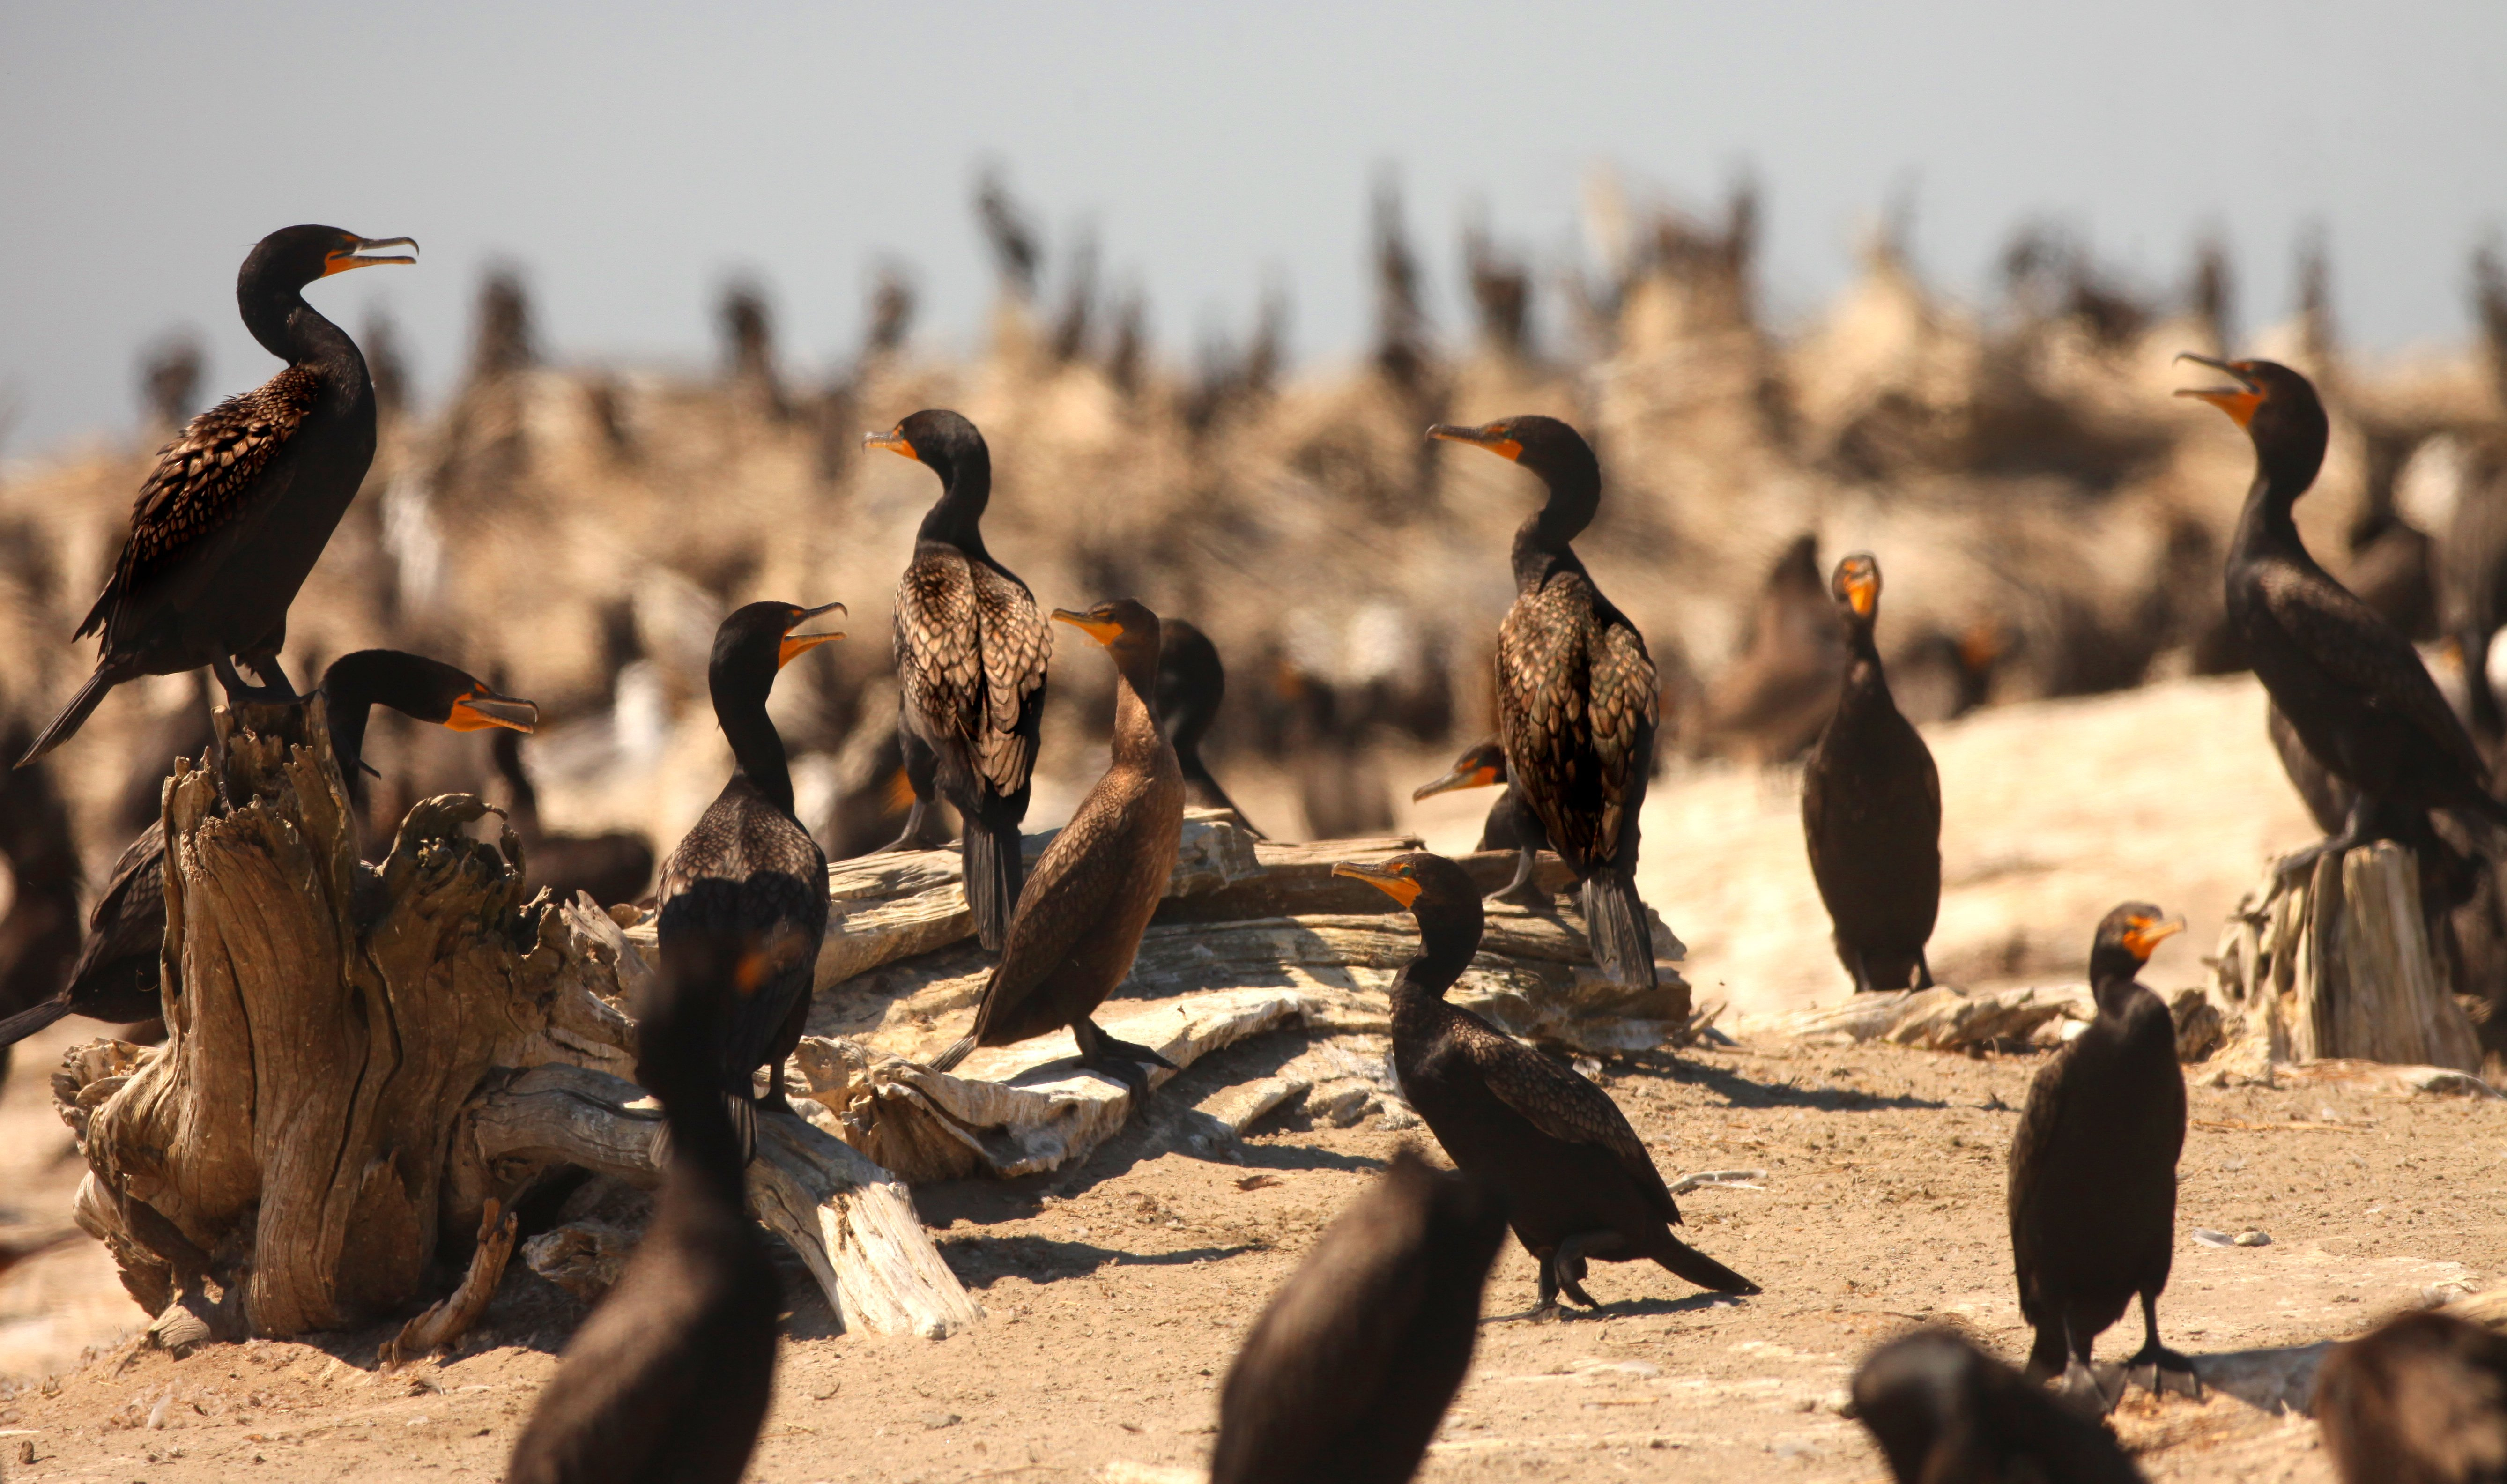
{"x":1546,"y":446}
{"x":293,"y":257}
{"x":2126,"y":938}
{"x":947,"y":442}
{"x":2279,"y":409}
{"x":757,"y":640}
{"x":428,"y":690}
{"x":1440,"y":893}
{"x":1856,"y":587}
{"x":1191,"y":680}
{"x":1919,"y":1391}
{"x":1127,"y":629}
{"x":1483,"y":767}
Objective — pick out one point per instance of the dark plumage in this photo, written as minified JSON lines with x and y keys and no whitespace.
{"x":38,"y":939}
{"x":614,"y":867}
{"x":669,"y":1380}
{"x":116,"y":977}
{"x":1510,"y":825}
{"x":970,"y":659}
{"x":1576,"y":1180}
{"x":1350,"y":1368}
{"x":749,"y":873}
{"x":1945,"y":1412}
{"x":1871,"y":808}
{"x":2093,"y":1197}
{"x":239,"y":507}
{"x":2419,"y":1399}
{"x":1191,"y":684}
{"x":2351,"y":687}
{"x":1577,"y":697}
{"x":1771,"y":701}
{"x":1080,"y":920}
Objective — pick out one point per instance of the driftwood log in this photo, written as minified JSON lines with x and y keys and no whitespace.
{"x":359,"y":1061}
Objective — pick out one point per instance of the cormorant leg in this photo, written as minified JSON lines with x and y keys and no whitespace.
{"x":1569,"y":1261}
{"x":1547,"y":1307}
{"x":1924,"y":970}
{"x":775,"y":1096}
{"x":2156,"y":1368}
{"x":2045,"y":1355}
{"x":1862,"y":974}
{"x":2355,"y":830}
{"x":2080,"y":1385}
{"x":1120,"y":1060}
{"x":922,"y":776}
{"x":1520,"y":890}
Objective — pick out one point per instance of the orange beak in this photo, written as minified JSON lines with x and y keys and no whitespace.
{"x":893,"y":440}
{"x":1464,"y":776}
{"x":1105,"y":630}
{"x":1389,"y":880}
{"x":346,"y":256}
{"x":795,"y":645}
{"x":1860,"y":593}
{"x":483,"y":708}
{"x":2147,"y":933}
{"x":2239,"y":402}
{"x":1479,"y":438}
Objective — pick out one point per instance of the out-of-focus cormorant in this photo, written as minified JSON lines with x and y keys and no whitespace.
{"x":2351,"y":687}
{"x":1945,"y":1412}
{"x":1575,"y":692}
{"x":1080,"y":920}
{"x":749,"y":872}
{"x":1191,"y":684}
{"x":971,"y":659}
{"x":1770,"y":701}
{"x":1576,"y":1180}
{"x":116,"y":977}
{"x":614,"y":867}
{"x":38,"y":939}
{"x":2093,"y":1197}
{"x":2419,"y":1399}
{"x":239,"y":507}
{"x":669,"y":1380}
{"x":1350,"y":1368}
{"x":1510,"y":825}
{"x":1871,"y":808}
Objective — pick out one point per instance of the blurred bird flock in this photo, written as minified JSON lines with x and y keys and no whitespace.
{"x":2052,"y":521}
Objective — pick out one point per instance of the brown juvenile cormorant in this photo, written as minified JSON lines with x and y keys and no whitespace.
{"x":115,"y":978}
{"x":1576,"y":1180}
{"x":1945,"y":1412}
{"x":1510,"y":825}
{"x":1191,"y":684}
{"x":614,"y":867}
{"x":239,"y":507}
{"x":970,"y":657}
{"x":748,"y":871}
{"x":38,"y":939}
{"x":2351,"y":687}
{"x":1576,"y":699}
{"x":669,"y":1380}
{"x":2419,"y":1399}
{"x":2092,"y":1194}
{"x":1348,"y":1371}
{"x":1871,"y":808}
{"x":1080,"y":920}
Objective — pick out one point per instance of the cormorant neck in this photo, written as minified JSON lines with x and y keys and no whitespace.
{"x":759,"y":749}
{"x":966,"y":488}
{"x":294,"y":331}
{"x":1537,"y":555}
{"x":348,"y":707}
{"x":2285,"y":467}
{"x":505,"y":749}
{"x":1446,"y":949}
{"x":1138,"y":737}
{"x":2113,"y":974}
{"x":1863,"y":640}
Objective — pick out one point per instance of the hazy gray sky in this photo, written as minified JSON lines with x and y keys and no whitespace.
{"x":631,"y":157}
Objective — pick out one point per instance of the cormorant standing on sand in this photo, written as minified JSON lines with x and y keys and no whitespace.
{"x":2093,"y":1196}
{"x":2348,"y":683}
{"x":2419,"y":1399}
{"x":239,"y":507}
{"x":1510,"y":825}
{"x":749,"y":873}
{"x":1348,"y":1371}
{"x":1191,"y":684}
{"x":116,"y":977}
{"x":1945,"y":1412}
{"x":1576,"y":1180}
{"x":1576,"y":701}
{"x":1871,"y":808}
{"x":668,"y":1381}
{"x":970,"y":659}
{"x":1080,"y":918}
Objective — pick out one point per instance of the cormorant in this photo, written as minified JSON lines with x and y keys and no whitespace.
{"x":1771,"y":701}
{"x":1191,"y":684}
{"x":39,"y":937}
{"x":1079,"y":922}
{"x":239,"y":507}
{"x":2351,"y":687}
{"x":614,"y":867}
{"x":1578,"y":1182}
{"x":1350,"y":1368}
{"x":1871,"y":808}
{"x":1510,"y":825}
{"x":1577,"y":700}
{"x":2093,"y":1197}
{"x":2419,"y":1399}
{"x":669,"y":1380}
{"x":748,"y":871}
{"x":116,"y":977}
{"x":970,"y":659}
{"x":1945,"y":1412}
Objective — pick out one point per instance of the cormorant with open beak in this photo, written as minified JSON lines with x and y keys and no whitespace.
{"x":1510,"y":825}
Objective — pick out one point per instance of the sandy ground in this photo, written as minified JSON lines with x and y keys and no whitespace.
{"x":1117,"y":1292}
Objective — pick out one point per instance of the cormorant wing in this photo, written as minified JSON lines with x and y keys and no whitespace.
{"x":1016,"y":642}
{"x":2367,"y":657}
{"x":2031,"y":1144}
{"x":1561,"y":1104}
{"x":130,"y":915}
{"x":1625,"y":708}
{"x":200,"y":483}
{"x":1066,"y":899}
{"x":940,"y":662}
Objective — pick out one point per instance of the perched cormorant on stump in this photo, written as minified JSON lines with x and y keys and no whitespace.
{"x":970,"y":663}
{"x":1510,"y":825}
{"x":239,"y":507}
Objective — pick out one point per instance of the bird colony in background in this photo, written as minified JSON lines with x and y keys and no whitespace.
{"x":1347,"y":1371}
